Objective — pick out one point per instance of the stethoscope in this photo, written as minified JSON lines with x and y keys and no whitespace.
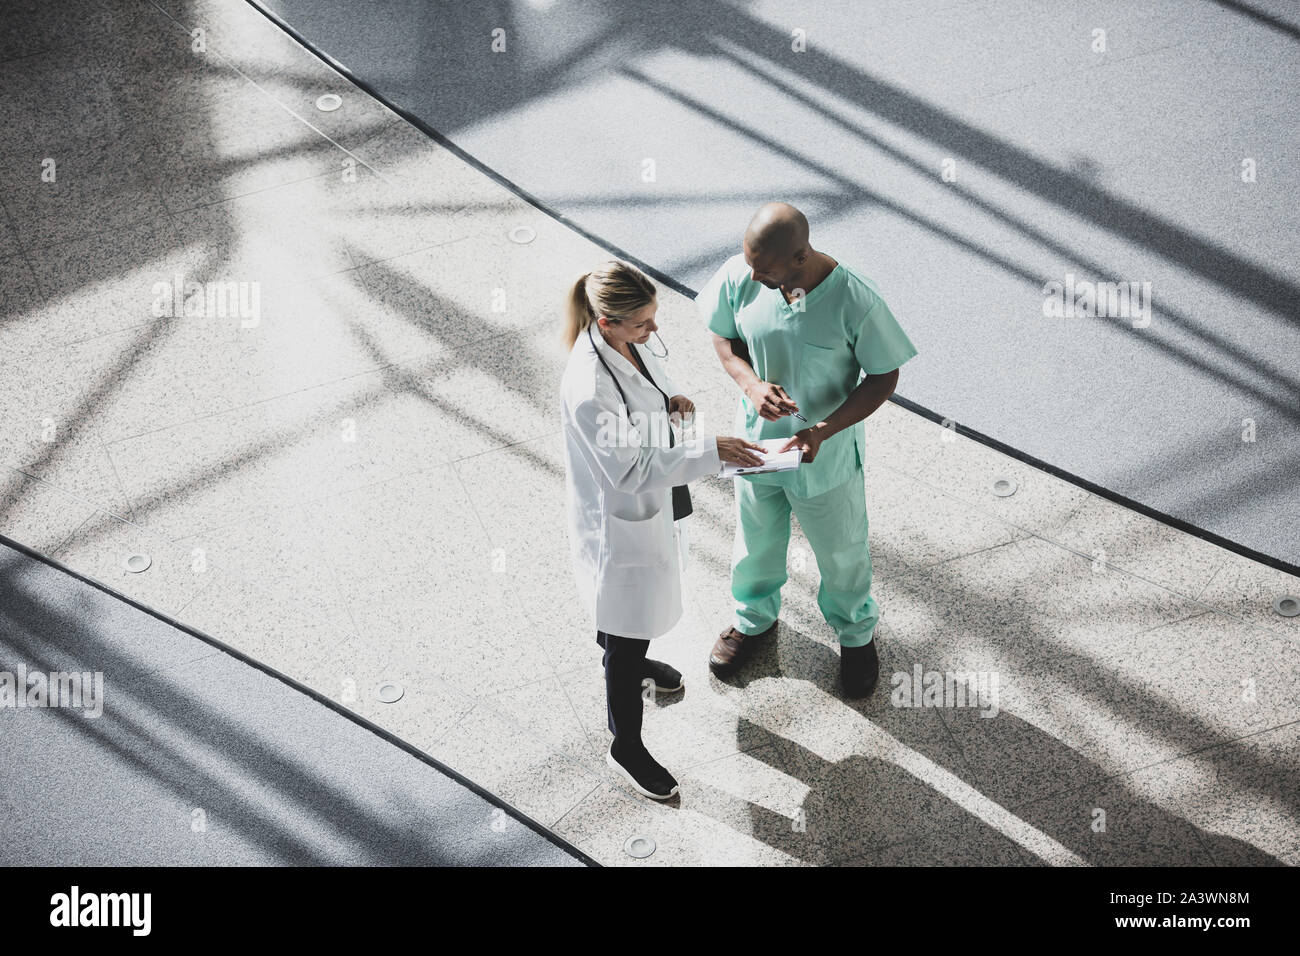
{"x":653,"y":352}
{"x":648,"y":349}
{"x":615,"y":377}
{"x":681,"y":494}
{"x":596,"y":348}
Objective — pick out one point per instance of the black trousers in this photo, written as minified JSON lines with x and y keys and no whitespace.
{"x":624,"y":671}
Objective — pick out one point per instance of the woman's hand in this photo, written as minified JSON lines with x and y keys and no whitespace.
{"x":736,"y":451}
{"x":682,"y":407}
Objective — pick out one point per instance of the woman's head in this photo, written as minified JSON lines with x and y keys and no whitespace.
{"x":618,"y":298}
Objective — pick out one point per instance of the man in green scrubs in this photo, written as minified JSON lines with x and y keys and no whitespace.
{"x":803,"y":334}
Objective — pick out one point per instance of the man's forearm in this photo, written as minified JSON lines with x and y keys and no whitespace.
{"x":870,"y":394}
{"x":735,"y":360}
{"x":740,"y":370}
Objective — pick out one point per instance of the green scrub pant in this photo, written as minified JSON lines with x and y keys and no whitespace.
{"x":835,"y":524}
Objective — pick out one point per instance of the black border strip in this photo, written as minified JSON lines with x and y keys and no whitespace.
{"x":320,"y":698}
{"x":1181,"y":525}
{"x":1177,"y":523}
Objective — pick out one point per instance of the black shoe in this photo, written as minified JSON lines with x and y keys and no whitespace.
{"x":859,"y":669}
{"x":644,"y":773}
{"x":666,"y":679}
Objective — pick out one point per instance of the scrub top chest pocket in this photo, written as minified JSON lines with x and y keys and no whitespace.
{"x":823,"y":379}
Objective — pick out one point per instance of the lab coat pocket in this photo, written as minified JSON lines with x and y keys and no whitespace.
{"x":637,"y":544}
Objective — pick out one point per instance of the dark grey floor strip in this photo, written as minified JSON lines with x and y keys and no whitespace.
{"x":202,"y":755}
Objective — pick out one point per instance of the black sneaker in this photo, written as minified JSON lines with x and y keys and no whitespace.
{"x":859,"y":669}
{"x":667,"y":679}
{"x":644,"y":773}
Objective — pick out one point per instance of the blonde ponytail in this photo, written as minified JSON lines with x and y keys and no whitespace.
{"x":614,"y":289}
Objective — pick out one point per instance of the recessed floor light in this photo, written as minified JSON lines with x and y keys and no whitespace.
{"x":639,"y":846}
{"x":1288,"y":605}
{"x":329,"y":102}
{"x":135,"y":563}
{"x":523,"y":234}
{"x":1004,"y":487}
{"x":390,"y":693}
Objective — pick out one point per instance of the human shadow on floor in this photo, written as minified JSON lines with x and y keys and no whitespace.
{"x":911,"y":796}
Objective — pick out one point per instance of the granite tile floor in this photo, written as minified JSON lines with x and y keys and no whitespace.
{"x":361,"y":480}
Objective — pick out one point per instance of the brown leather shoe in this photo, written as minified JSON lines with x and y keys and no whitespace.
{"x":732,"y":647}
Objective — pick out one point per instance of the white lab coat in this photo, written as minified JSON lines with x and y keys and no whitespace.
{"x":627,"y":550}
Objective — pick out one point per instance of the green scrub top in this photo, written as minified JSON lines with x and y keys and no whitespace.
{"x":817,"y":349}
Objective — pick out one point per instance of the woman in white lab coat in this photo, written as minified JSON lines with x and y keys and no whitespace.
{"x":622,"y":462}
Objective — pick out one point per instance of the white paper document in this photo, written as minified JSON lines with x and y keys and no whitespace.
{"x":787,"y":461}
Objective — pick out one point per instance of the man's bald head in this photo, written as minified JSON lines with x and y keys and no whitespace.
{"x":776,"y":244}
{"x":778,"y":230}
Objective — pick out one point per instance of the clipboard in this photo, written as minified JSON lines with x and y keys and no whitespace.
{"x":772,"y":461}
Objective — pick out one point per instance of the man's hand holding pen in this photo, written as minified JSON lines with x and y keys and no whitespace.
{"x":772,"y":402}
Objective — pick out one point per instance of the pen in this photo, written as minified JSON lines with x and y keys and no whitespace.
{"x":800,"y":417}
{"x":795,"y":414}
